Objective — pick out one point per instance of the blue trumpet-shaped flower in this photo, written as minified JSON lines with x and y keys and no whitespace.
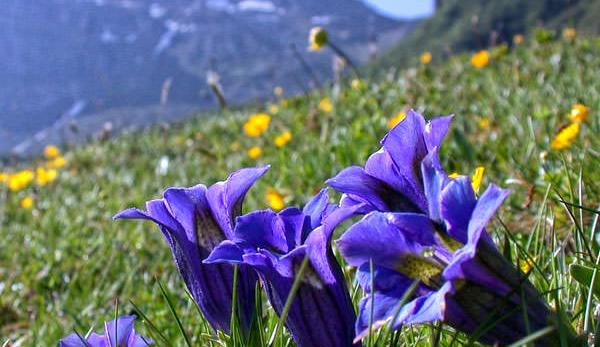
{"x":194,"y":221}
{"x":275,"y":245}
{"x":462,"y":278}
{"x":391,"y":179}
{"x":117,"y":333}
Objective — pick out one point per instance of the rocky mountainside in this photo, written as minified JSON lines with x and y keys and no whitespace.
{"x":65,"y":61}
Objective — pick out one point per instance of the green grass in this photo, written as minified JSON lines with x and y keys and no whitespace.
{"x":64,"y":264}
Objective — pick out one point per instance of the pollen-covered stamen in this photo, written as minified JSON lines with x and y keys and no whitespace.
{"x":427,"y":270}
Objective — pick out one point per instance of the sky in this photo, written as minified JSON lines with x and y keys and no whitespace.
{"x":403,"y":8}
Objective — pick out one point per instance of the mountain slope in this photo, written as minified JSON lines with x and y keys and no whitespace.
{"x":460,"y":25}
{"x":76,"y":58}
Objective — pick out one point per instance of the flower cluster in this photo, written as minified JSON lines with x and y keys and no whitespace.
{"x":422,"y":237}
{"x":118,"y":333}
{"x":44,"y":174}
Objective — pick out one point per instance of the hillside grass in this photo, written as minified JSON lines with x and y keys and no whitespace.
{"x":64,"y":263}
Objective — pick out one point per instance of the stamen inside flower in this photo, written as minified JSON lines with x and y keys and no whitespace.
{"x":421,"y":268}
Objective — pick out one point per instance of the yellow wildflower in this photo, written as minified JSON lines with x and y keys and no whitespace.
{"x":282,"y":139}
{"x":356,"y":84}
{"x":325,"y":105}
{"x":484,"y":123}
{"x":254,"y":152}
{"x":317,"y":38}
{"x":399,"y":117}
{"x":257,"y":124}
{"x":56,"y":163}
{"x":275,"y":199}
{"x":278,"y":91}
{"x":518,"y":39}
{"x":20,"y":180}
{"x":477,"y":178}
{"x":565,"y":137}
{"x":480,"y":59}
{"x":425,"y":58}
{"x":273,"y":108}
{"x":579,"y":113}
{"x":4,"y":177}
{"x":26,"y":202}
{"x":44,"y":176}
{"x":51,"y":152}
{"x":525,"y":265}
{"x":569,"y":33}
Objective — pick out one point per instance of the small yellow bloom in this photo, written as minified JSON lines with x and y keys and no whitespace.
{"x":257,"y":124}
{"x":317,"y":38}
{"x":525,"y":265}
{"x":480,"y":59}
{"x":399,"y":117}
{"x":325,"y":105}
{"x":356,"y":84}
{"x":565,"y":137}
{"x":285,"y":103}
{"x":282,"y":139}
{"x":569,"y":33}
{"x":26,"y":202}
{"x":20,"y":180}
{"x":275,"y":199}
{"x":273,"y":108}
{"x":51,"y":152}
{"x":254,"y":152}
{"x":484,"y":123}
{"x":518,"y":39}
{"x":44,"y":176}
{"x":425,"y":58}
{"x":579,"y":113}
{"x":477,"y":178}
{"x":56,"y":163}
{"x":278,"y":91}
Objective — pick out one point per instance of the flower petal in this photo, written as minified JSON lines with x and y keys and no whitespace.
{"x":225,"y":198}
{"x":436,"y":130}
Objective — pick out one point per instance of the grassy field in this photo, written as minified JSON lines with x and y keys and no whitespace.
{"x":64,"y":263}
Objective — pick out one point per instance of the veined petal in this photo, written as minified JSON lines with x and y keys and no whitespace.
{"x":225,"y":198}
{"x":317,"y":208}
{"x":434,"y":180}
{"x":457,"y":204}
{"x":487,"y":204}
{"x":387,"y":239}
{"x":72,"y":340}
{"x":226,"y":252}
{"x":355,"y":182}
{"x":261,"y":229}
{"x":436,"y":130}
{"x":407,"y":193}
{"x":406,"y":146}
{"x":118,"y":331}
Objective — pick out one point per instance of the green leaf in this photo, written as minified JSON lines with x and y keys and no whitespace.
{"x":585,"y":275}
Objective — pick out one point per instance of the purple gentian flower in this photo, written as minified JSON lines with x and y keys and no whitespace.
{"x":117,"y":333}
{"x":195,"y":220}
{"x":275,"y":245}
{"x":463,"y":280}
{"x":391,"y":179}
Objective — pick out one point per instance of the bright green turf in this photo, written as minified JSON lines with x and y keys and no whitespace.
{"x":64,"y":263}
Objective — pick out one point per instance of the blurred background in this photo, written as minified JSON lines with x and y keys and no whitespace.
{"x":71,"y":67}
